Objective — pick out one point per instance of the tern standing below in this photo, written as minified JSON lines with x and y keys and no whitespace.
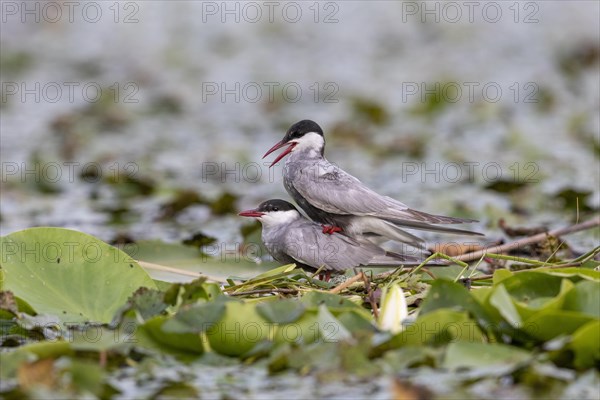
{"x":339,"y":201}
{"x":291,"y":238}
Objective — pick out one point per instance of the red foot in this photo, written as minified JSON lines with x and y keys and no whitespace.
{"x":330,"y":230}
{"x":325,"y":277}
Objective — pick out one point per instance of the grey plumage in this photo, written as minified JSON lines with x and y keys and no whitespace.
{"x":333,"y":197}
{"x":291,"y":238}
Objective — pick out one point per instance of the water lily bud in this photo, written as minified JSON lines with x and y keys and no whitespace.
{"x":393,"y":309}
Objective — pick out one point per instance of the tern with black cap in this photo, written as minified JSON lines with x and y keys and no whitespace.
{"x":292,"y":238}
{"x":342,"y":203}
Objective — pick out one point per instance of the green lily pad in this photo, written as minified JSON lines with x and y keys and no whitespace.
{"x":102,"y":338}
{"x":526,"y":287}
{"x":193,"y":260}
{"x":239,"y":330}
{"x":335,"y":303}
{"x":586,"y":345}
{"x":551,"y":323}
{"x":284,"y":311}
{"x":584,"y":297}
{"x":197,"y":318}
{"x":500,"y":275}
{"x":356,"y":322}
{"x":478,"y":355}
{"x":532,"y":292}
{"x":330,"y":328}
{"x":69,"y":273}
{"x":574,"y":274}
{"x":501,"y":300}
{"x":436,"y":328}
{"x":447,"y":294}
{"x":186,"y":346}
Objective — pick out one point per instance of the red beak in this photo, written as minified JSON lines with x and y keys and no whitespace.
{"x":251,"y":213}
{"x":278,"y":146}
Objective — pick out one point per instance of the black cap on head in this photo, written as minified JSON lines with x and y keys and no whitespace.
{"x":301,"y":128}
{"x":275,"y":205}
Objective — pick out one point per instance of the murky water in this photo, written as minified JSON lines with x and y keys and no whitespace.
{"x":104,"y":118}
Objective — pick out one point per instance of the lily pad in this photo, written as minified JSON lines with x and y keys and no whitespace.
{"x":69,"y":274}
{"x":584,"y":297}
{"x":551,"y":323}
{"x":186,"y":346}
{"x":281,"y":312}
{"x":477,"y":355}
{"x":586,"y":344}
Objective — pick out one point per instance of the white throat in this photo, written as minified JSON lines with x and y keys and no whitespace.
{"x":279,"y":218}
{"x":310,"y":142}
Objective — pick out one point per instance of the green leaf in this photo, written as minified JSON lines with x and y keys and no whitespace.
{"x":585,"y":342}
{"x":436,"y":328}
{"x":47,"y":349}
{"x":500,"y":275}
{"x":183,"y":345}
{"x":304,"y":330}
{"x":191,"y":259}
{"x":334,"y":302}
{"x":526,"y":287}
{"x":275,"y":271}
{"x":410,"y":357}
{"x":534,"y":291}
{"x":239,"y":330}
{"x":145,"y":302}
{"x":584,"y":297}
{"x":355,"y":322}
{"x":445,"y":294}
{"x":11,"y":361}
{"x":281,"y":312}
{"x":330,"y":328}
{"x":502,"y":301}
{"x":550,"y":323}
{"x":577,"y":273}
{"x":480,"y":355}
{"x":102,"y":338}
{"x":195,"y":319}
{"x":87,"y":376}
{"x":181,"y":294}
{"x":69,"y":274}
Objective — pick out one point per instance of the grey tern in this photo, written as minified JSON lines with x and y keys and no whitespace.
{"x":342,"y":203}
{"x":292,"y":238}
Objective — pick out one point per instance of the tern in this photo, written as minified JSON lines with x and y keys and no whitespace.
{"x":292,"y":238}
{"x":342,"y":203}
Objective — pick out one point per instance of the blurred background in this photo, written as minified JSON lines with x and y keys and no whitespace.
{"x":148,"y":120}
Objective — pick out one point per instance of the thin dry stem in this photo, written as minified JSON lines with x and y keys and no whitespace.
{"x":347,"y":283}
{"x":592,"y":223}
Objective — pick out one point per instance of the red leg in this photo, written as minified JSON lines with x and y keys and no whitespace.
{"x":325,"y":277}
{"x":330,"y":230}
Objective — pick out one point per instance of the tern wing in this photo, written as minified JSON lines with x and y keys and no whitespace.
{"x":307,"y":244}
{"x":333,"y":190}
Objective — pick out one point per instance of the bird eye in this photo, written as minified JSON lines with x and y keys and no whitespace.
{"x":275,"y":208}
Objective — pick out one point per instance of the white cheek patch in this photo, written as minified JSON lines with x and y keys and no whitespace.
{"x":311,"y":140}
{"x":279,"y":217}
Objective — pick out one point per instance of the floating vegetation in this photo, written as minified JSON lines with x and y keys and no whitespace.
{"x":78,"y":309}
